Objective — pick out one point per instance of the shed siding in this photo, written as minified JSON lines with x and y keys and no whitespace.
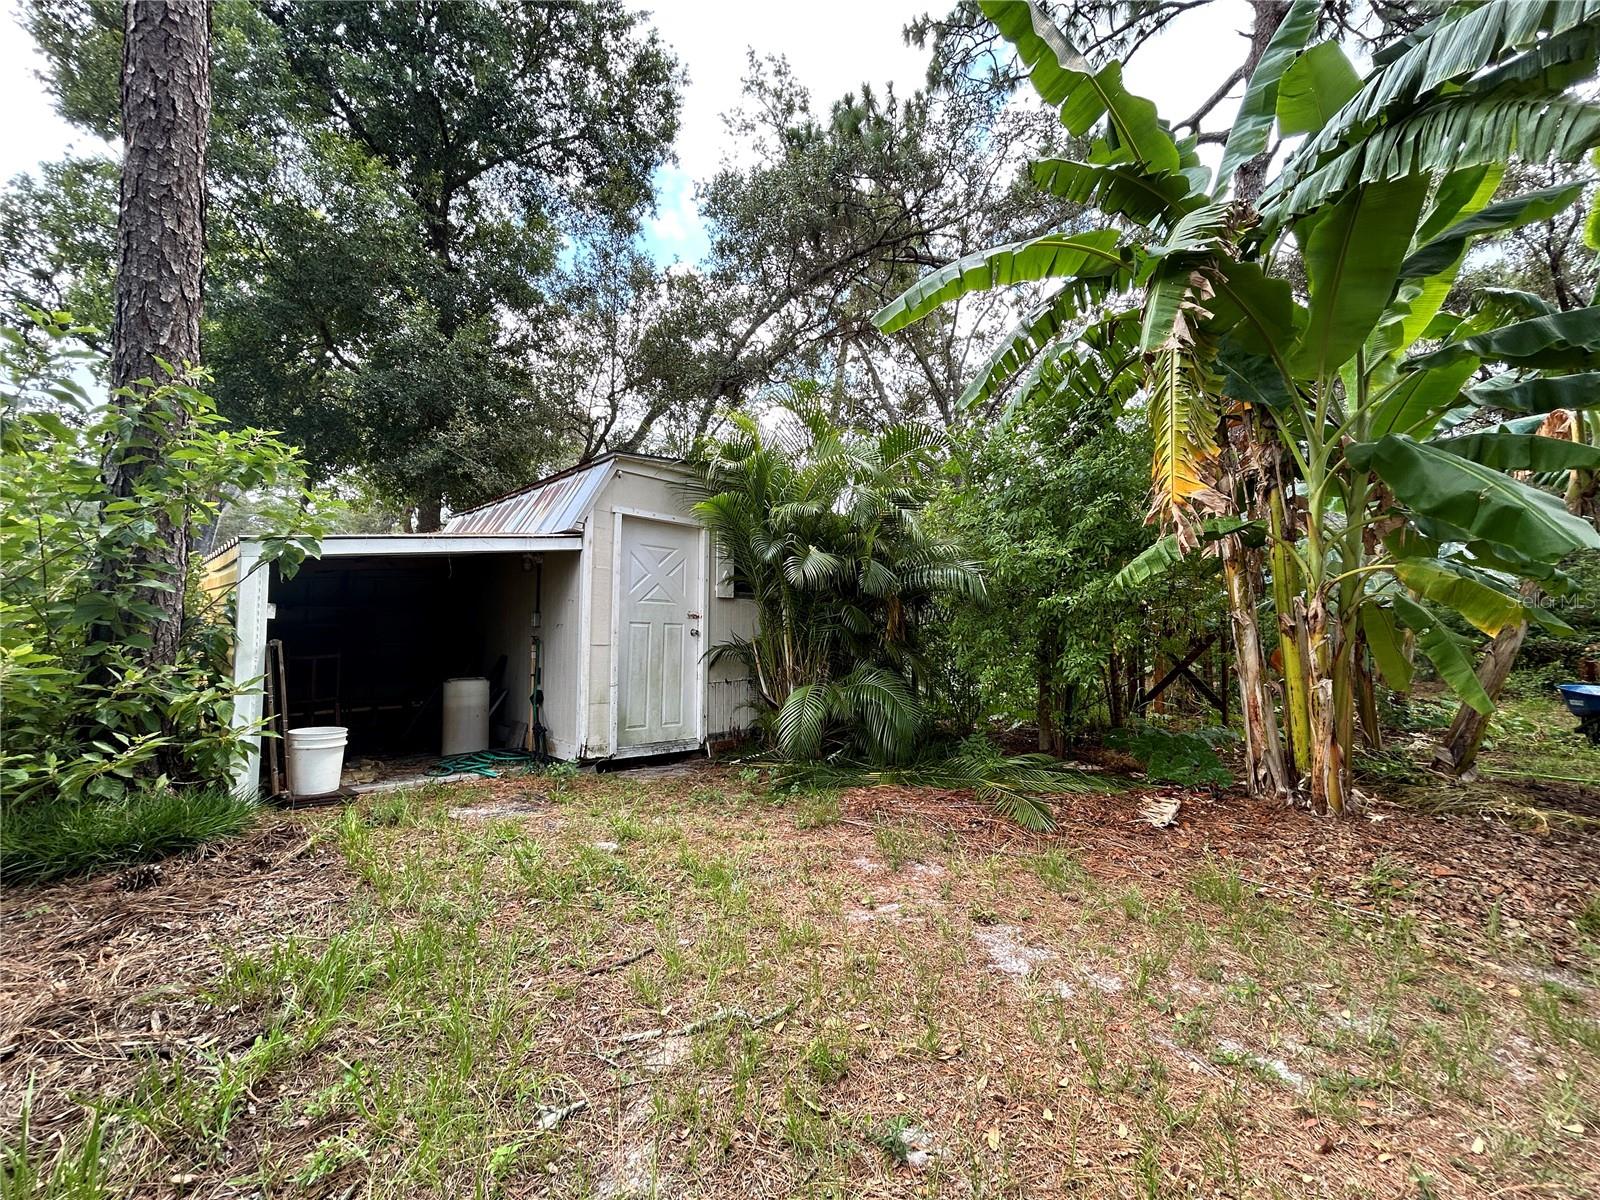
{"x":559,"y":636}
{"x":642,"y":487}
{"x":731,"y":693}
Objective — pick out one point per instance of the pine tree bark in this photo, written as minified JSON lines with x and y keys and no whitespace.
{"x":166,"y":108}
{"x":1251,"y":177}
{"x":430,"y":515}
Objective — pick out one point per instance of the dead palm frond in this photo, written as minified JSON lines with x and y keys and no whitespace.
{"x":1023,"y":788}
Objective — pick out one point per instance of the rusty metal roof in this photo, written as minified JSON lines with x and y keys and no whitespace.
{"x":555,"y":504}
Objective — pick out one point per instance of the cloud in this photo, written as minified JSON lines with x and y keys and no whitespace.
{"x":675,"y":233}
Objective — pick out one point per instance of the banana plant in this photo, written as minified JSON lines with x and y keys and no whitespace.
{"x":1350,"y":440}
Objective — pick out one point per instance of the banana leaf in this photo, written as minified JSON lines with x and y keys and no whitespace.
{"x":1316,"y":86}
{"x":1052,"y":256}
{"x":1252,"y":126}
{"x":1069,"y":83}
{"x":1383,"y":639}
{"x":1436,"y":641}
{"x":1543,"y":394}
{"x":1484,"y":606}
{"x":1522,"y":452}
{"x":1125,"y":190}
{"x":1443,"y":250}
{"x":1563,"y":341}
{"x":1479,"y":500}
{"x":1353,"y":256}
{"x":1413,"y":403}
{"x":1165,"y":553}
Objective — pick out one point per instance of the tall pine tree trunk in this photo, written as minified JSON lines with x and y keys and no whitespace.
{"x":1251,"y":177}
{"x":166,"y":107}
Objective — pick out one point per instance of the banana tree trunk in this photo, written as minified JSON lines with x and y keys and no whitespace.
{"x":1367,"y":696}
{"x":1464,"y":738}
{"x":1331,"y":708}
{"x":1291,"y":649}
{"x":1266,"y":772}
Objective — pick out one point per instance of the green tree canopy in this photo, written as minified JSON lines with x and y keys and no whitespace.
{"x":393,"y":186}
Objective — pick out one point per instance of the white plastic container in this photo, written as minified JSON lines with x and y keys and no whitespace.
{"x":466,"y":716}
{"x":316,"y":759}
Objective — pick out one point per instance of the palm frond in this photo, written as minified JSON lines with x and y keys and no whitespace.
{"x":803,"y":720}
{"x":889,"y":713}
{"x":1024,"y":788}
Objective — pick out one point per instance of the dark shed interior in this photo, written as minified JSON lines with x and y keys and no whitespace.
{"x":369,"y":641}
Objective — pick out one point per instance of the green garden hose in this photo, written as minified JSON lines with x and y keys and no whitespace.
{"x":487,"y":763}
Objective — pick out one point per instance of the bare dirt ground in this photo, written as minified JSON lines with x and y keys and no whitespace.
{"x":688,"y":986}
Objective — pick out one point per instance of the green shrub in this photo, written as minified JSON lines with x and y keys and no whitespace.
{"x":1169,"y":756}
{"x":87,"y":714}
{"x":55,"y":839}
{"x":824,"y":526}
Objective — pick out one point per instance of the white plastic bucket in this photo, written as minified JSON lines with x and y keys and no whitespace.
{"x":466,"y":716}
{"x":316,"y":759}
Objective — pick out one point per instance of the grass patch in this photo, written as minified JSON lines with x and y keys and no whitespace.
{"x":817,"y":810}
{"x":54,"y":840}
{"x":767,"y":1004}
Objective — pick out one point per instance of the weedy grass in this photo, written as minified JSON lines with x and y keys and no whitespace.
{"x":56,"y":839}
{"x":71,"y":1169}
{"x":731,"y":995}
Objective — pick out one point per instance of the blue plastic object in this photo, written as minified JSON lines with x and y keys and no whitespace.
{"x":1583,"y":702}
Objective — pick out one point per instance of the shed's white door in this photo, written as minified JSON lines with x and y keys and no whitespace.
{"x":659,"y":628}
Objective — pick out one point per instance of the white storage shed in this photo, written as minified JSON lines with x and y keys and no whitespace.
{"x":595,"y":588}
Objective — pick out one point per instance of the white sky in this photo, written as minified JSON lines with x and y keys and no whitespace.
{"x":833,"y":45}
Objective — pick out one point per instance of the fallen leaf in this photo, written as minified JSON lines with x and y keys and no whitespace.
{"x":1479,"y":1145}
{"x":1050,"y":1116}
{"x":1161,"y":811}
{"x":993,"y":1137}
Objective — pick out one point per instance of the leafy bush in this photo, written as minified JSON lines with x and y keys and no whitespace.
{"x":57,"y":838}
{"x":1053,"y":502}
{"x":1171,"y":756}
{"x":84,"y":715}
{"x":824,"y":526}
